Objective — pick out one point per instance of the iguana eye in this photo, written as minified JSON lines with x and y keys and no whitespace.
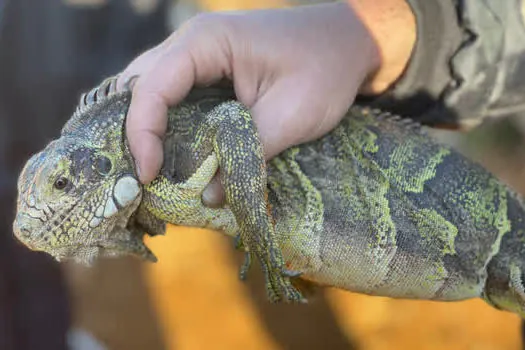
{"x":61,"y":183}
{"x":103,"y":165}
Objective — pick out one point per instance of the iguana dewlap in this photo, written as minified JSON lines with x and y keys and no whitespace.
{"x":376,"y":206}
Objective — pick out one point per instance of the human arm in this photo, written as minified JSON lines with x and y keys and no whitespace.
{"x":467,"y":64}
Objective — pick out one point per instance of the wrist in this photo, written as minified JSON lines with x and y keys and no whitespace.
{"x":392,"y":25}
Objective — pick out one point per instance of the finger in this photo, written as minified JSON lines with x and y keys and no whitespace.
{"x":213,"y":195}
{"x":145,"y":135}
{"x":139,"y":65}
{"x":286,"y":115}
{"x":146,"y":122}
{"x":174,"y":72}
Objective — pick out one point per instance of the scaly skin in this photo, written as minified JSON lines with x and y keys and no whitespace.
{"x":376,"y":206}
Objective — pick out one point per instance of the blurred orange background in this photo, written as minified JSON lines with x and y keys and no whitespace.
{"x":192,"y":299}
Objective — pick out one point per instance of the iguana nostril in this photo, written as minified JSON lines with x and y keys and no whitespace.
{"x":22,"y":229}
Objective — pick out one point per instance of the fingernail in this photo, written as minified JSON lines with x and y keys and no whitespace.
{"x":130,"y":83}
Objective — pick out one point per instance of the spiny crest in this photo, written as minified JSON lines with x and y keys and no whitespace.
{"x":102,"y":104}
{"x":97,"y":94}
{"x":385,"y":116}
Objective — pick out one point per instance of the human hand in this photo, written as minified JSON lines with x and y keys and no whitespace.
{"x":298,"y":70}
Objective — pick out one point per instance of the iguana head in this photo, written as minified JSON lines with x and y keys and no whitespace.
{"x":75,"y":197}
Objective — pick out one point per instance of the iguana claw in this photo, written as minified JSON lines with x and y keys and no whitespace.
{"x":290,"y":273}
{"x":245,"y":267}
{"x":237,"y":242}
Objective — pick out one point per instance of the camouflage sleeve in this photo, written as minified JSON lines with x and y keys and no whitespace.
{"x":468,"y":63}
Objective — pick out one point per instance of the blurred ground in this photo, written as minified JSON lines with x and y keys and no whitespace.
{"x":192,"y":299}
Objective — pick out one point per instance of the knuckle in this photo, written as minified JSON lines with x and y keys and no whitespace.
{"x":208,"y":23}
{"x":206,"y":19}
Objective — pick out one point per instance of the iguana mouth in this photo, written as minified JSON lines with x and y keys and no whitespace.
{"x":26,"y":232}
{"x":86,"y":252}
{"x":23,"y":232}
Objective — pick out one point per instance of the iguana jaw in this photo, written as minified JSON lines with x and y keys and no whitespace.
{"x":111,"y":239}
{"x":109,"y":236}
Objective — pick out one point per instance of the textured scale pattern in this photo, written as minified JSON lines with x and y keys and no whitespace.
{"x":376,"y":206}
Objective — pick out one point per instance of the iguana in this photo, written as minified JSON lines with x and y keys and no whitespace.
{"x":376,"y":206}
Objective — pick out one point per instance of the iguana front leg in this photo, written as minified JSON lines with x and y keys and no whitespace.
{"x":226,"y":138}
{"x":229,"y":132}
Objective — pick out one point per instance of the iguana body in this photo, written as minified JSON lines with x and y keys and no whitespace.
{"x":375,"y":206}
